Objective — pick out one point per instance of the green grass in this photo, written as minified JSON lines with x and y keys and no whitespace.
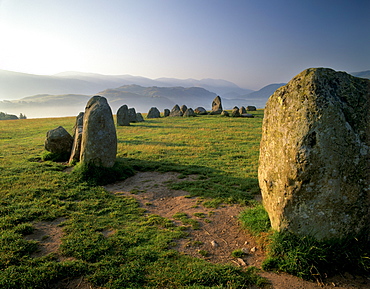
{"x":222,"y":152}
{"x":255,"y":219}
{"x":311,"y":259}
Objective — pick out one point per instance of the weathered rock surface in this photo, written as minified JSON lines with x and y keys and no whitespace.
{"x":122,"y":116}
{"x":242,"y":110}
{"x":176,"y":111}
{"x":77,"y":138}
{"x":139,"y":117}
{"x":99,"y":138}
{"x":166,"y":112}
{"x":200,"y":110}
{"x":225,"y":113}
{"x":58,"y":141}
{"x":235,"y":112}
{"x":216,"y":106}
{"x":251,"y":108}
{"x":189,"y":112}
{"x":132,"y":114}
{"x":153,"y":113}
{"x":183,"y":108}
{"x":314,"y":170}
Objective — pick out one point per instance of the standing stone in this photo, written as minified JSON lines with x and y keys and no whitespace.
{"x":132,"y":115}
{"x":235,"y":112}
{"x":225,"y":113}
{"x":315,"y":155}
{"x":200,"y":110}
{"x":189,"y":112}
{"x":166,"y":112}
{"x":183,"y":108}
{"x":251,"y":108}
{"x":175,"y":111}
{"x":216,"y":106}
{"x":77,"y":138}
{"x":139,"y":117}
{"x":153,"y":113}
{"x":122,"y":116}
{"x":242,"y":110}
{"x":59,"y":141}
{"x":99,"y":138}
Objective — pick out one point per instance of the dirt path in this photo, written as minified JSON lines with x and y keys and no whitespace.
{"x":218,"y":235}
{"x":219,"y":232}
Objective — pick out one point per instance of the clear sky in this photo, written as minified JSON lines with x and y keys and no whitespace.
{"x":249,"y":42}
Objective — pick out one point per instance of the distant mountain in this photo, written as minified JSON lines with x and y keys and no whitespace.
{"x":255,"y":98}
{"x":362,"y":74}
{"x":221,"y":87}
{"x":139,"y":97}
{"x":15,"y":85}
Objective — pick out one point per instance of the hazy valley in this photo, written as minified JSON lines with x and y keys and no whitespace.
{"x":66,"y":94}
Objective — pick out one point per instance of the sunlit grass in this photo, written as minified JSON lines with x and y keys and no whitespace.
{"x":222,"y":152}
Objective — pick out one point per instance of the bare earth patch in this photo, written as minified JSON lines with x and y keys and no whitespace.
{"x":219,"y":232}
{"x":49,"y":235}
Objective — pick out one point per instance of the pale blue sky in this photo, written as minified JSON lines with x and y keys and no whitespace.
{"x":252,"y":42}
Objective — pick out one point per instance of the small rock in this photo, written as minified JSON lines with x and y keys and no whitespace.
{"x":214,"y":244}
{"x":241,"y":262}
{"x":245,"y":250}
{"x":254,"y":249}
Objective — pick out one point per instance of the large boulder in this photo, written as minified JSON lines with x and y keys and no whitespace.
{"x":251,"y":108}
{"x":315,"y":155}
{"x":132,"y":115}
{"x":77,"y":138}
{"x":153,"y":113}
{"x":235,"y":112}
{"x":242,"y":110}
{"x":200,"y":110}
{"x":122,"y":116}
{"x":59,"y":141}
{"x":139,"y":117}
{"x":176,"y":111}
{"x":189,"y":112}
{"x":216,"y":106}
{"x":99,"y":138}
{"x":183,"y":108}
{"x":166,"y":112}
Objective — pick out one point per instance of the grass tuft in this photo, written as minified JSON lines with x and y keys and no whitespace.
{"x":255,"y":219}
{"x":95,"y":175}
{"x":308,"y":258}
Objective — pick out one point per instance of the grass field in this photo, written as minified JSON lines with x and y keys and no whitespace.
{"x":222,"y":152}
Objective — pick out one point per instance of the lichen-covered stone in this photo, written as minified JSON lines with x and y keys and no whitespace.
{"x":242,"y":110}
{"x":176,"y":111}
{"x":251,"y":108}
{"x":235,"y":112}
{"x":225,"y":113}
{"x":122,"y":116}
{"x":77,"y":138}
{"x":166,"y":112}
{"x":314,"y":170}
{"x":189,"y":112}
{"x":58,"y":141}
{"x":153,"y":113}
{"x":183,"y":108}
{"x":216,"y":106}
{"x":132,"y":114}
{"x":200,"y":110}
{"x":139,"y":117}
{"x":99,"y":138}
